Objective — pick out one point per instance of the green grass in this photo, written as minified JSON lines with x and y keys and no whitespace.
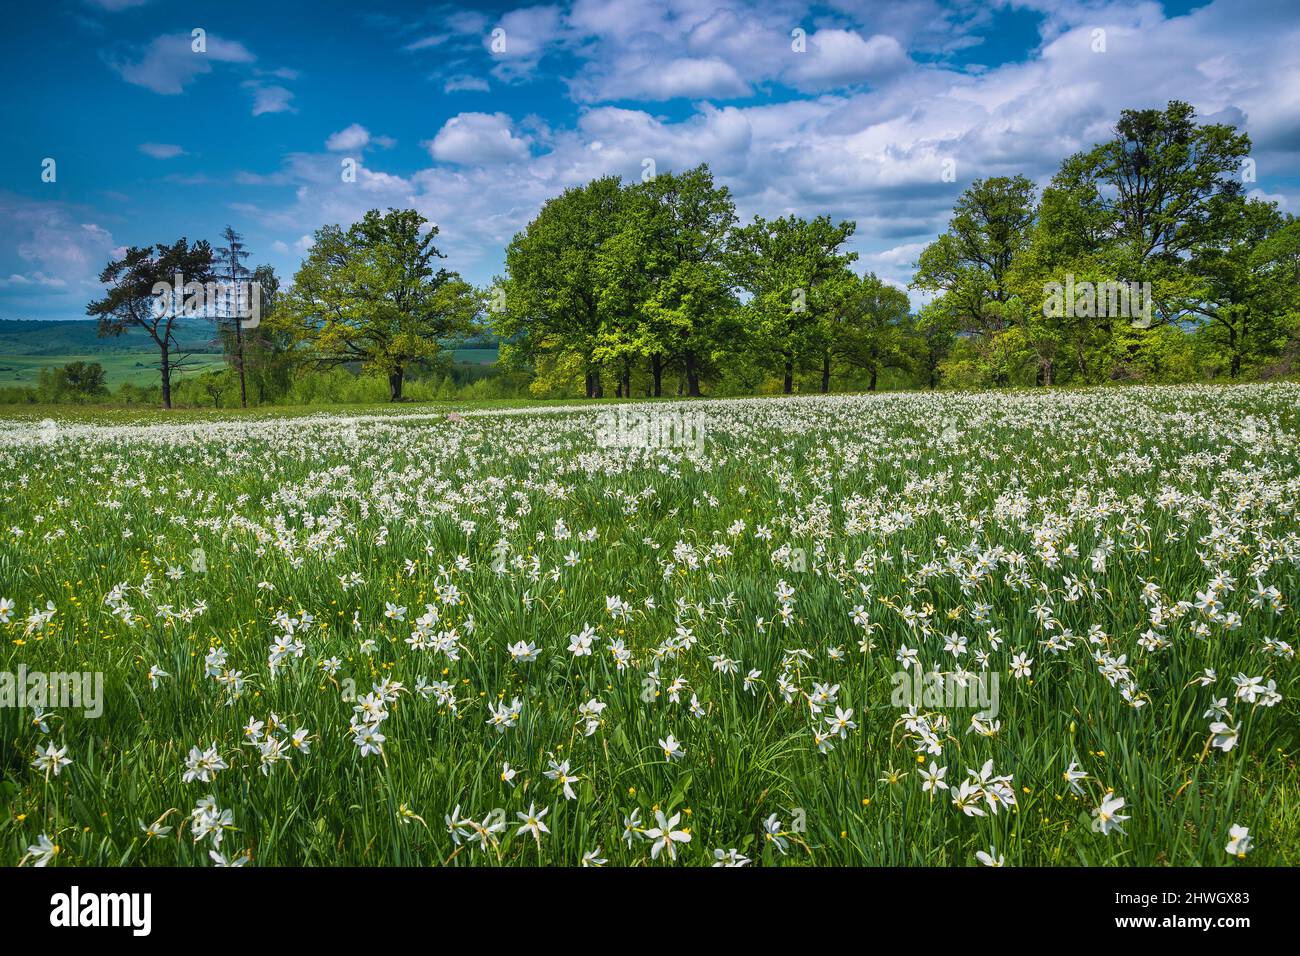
{"x":884,"y":503}
{"x":138,"y":368}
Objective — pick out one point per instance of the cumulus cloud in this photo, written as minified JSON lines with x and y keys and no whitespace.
{"x":478,"y":138}
{"x":353,"y":137}
{"x":50,"y":255}
{"x":861,"y":129}
{"x":834,"y":58}
{"x":719,"y":50}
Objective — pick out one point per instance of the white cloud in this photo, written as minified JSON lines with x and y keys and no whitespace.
{"x":270,"y":99}
{"x":651,"y":79}
{"x":161,"y":150}
{"x":352,"y":137}
{"x":464,"y":83}
{"x":51,"y":256}
{"x":478,"y":138}
{"x":32,"y":279}
{"x":169,"y":63}
{"x":869,"y":146}
{"x":834,"y":58}
{"x":527,"y":33}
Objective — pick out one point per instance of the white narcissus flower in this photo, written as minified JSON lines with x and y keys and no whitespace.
{"x":42,"y":851}
{"x":731,"y":858}
{"x":532,"y":822}
{"x":1107,"y":816}
{"x":1239,"y":841}
{"x":672,"y":748}
{"x":665,"y":837}
{"x":51,"y":760}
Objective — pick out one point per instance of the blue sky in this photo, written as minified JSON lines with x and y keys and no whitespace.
{"x":153,"y":141}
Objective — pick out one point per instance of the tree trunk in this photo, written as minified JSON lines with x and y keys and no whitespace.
{"x":395,"y":385}
{"x":826,"y":373}
{"x":239,"y":361}
{"x":692,"y":375}
{"x":657,"y":369}
{"x":165,"y":366}
{"x":597,"y":389}
{"x":871,"y":387}
{"x":788,"y":386}
{"x":239,"y":354}
{"x":625,"y":386}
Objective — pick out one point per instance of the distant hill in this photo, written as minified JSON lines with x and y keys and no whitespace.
{"x":80,"y":337}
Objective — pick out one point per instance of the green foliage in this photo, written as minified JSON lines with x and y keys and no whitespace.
{"x":74,"y":382}
{"x":370,"y":294}
{"x":131,"y":300}
{"x":652,"y":288}
{"x":792,"y":269}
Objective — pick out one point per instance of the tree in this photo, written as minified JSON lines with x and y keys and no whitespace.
{"x":269,"y":347}
{"x":930,"y":342}
{"x":370,"y":294}
{"x":1158,"y":178}
{"x":1151,"y":191}
{"x":136,"y":298}
{"x":970,"y":264}
{"x":1245,"y":268}
{"x":1067,"y":245}
{"x":552,"y":288}
{"x":665,"y":290}
{"x":78,"y":381}
{"x":868,"y":327}
{"x":1275,"y":263}
{"x":230,"y":265}
{"x":783,"y":265}
{"x":85,"y":379}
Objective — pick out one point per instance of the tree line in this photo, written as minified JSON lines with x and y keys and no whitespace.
{"x":1144,"y":257}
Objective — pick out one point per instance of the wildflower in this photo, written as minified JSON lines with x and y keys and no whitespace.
{"x":42,"y":851}
{"x":730,"y":857}
{"x":532,"y":823}
{"x":559,"y":772}
{"x":1239,"y":843}
{"x":202,"y":765}
{"x":1107,"y":816}
{"x":664,"y":837}
{"x":51,"y":760}
{"x":672,"y":749}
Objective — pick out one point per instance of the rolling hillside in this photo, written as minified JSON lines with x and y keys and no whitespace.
{"x":80,"y":337}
